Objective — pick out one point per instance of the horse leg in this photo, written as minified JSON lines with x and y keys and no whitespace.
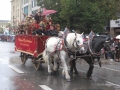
{"x":48,"y":63}
{"x":63,"y":57}
{"x":47,"y":59}
{"x":71,"y":66}
{"x":74,"y":66}
{"x":63,"y":73}
{"x":55,"y":64}
{"x":99,"y":61}
{"x":90,"y":70}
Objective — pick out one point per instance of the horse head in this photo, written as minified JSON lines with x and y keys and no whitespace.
{"x":60,"y":34}
{"x":98,"y":42}
{"x":75,"y":40}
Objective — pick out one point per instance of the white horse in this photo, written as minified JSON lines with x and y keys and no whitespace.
{"x":55,"y":48}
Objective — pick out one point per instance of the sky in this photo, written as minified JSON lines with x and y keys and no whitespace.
{"x":5,"y":10}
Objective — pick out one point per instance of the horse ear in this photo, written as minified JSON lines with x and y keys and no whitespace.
{"x":82,"y":33}
{"x":75,"y":34}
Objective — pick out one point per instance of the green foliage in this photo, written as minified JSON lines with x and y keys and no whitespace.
{"x":83,"y":15}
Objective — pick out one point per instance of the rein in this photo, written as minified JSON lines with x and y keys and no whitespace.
{"x":74,"y":42}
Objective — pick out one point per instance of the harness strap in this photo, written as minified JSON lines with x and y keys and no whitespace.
{"x":90,"y":48}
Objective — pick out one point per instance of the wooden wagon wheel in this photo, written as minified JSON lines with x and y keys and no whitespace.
{"x":37,"y":63}
{"x":23,"y":58}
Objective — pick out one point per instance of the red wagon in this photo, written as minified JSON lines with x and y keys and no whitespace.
{"x":31,"y":47}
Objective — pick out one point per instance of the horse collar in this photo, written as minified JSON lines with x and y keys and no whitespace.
{"x":66,"y":44}
{"x":90,"y":48}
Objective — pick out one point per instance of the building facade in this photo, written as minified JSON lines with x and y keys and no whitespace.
{"x":15,"y":12}
{"x":29,"y":7}
{"x":4,"y":23}
{"x":18,"y":7}
{"x":114,"y":27}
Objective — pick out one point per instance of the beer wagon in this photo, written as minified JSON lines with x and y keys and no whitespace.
{"x":31,"y":46}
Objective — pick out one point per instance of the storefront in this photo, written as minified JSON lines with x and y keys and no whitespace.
{"x":114,"y":27}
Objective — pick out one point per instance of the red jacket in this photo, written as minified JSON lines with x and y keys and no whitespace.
{"x":36,"y":26}
{"x":48,"y":27}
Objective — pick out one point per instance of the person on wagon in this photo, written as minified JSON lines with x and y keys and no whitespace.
{"x":40,"y":31}
{"x":57,"y":27}
{"x":47,"y":26}
{"x":34,"y":27}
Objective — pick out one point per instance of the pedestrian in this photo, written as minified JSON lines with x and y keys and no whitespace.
{"x":117,"y":50}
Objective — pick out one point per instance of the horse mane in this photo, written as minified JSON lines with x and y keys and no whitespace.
{"x":98,"y":44}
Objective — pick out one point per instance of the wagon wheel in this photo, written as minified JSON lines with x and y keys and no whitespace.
{"x":23,"y":58}
{"x":37,"y":63}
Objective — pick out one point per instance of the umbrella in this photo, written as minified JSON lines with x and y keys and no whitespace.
{"x":48,"y":12}
{"x":118,"y":37}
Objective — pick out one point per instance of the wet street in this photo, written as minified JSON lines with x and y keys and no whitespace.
{"x":15,"y":76}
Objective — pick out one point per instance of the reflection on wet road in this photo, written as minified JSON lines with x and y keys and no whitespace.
{"x":105,"y":78}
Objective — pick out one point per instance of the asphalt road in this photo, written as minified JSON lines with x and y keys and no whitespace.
{"x":15,"y":76}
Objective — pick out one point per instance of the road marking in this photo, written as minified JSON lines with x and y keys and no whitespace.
{"x":4,"y":60}
{"x":113,"y":84}
{"x":15,"y":69}
{"x":45,"y":87}
{"x":108,"y":68}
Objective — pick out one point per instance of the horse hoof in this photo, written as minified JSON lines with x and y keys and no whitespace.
{"x":71,"y":71}
{"x":76,"y":73}
{"x":69,"y":80}
{"x":54,"y":72}
{"x":50,"y":74}
{"x":89,"y":78}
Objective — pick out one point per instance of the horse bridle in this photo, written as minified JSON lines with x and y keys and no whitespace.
{"x":75,"y":42}
{"x":91,"y":51}
{"x":94,"y":53}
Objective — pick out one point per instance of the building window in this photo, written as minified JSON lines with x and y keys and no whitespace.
{"x":32,"y":4}
{"x":35,"y":3}
{"x":26,"y":10}
{"x":117,"y":22}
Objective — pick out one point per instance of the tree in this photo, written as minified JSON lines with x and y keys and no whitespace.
{"x":85,"y":15}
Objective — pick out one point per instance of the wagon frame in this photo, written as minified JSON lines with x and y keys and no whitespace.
{"x":31,"y":46}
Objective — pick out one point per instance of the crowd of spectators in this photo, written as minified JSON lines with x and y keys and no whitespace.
{"x":114,"y":53}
